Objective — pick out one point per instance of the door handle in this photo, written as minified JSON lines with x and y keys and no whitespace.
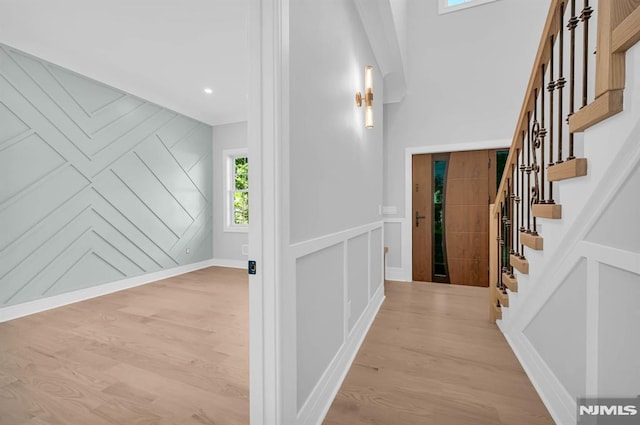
{"x":418,"y":218}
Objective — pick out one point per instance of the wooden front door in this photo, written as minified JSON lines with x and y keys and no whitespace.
{"x":421,"y":217}
{"x":451,"y":242}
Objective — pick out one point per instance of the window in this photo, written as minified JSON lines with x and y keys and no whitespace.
{"x":237,"y":190}
{"x":446,"y":6}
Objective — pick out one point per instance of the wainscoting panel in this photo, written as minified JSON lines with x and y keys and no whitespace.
{"x":97,"y":185}
{"x":619,"y":314}
{"x":376,"y":264}
{"x":357,"y":277}
{"x":334,"y":275}
{"x":560,"y":326}
{"x":320,"y":313}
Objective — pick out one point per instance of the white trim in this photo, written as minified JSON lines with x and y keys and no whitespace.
{"x":310,"y":246}
{"x":37,"y":306}
{"x":443,"y":5}
{"x":407,"y":243}
{"x":620,"y":258}
{"x":269,"y":397}
{"x":319,"y":401}
{"x":394,"y":220}
{"x":232,"y":264}
{"x":228,"y":157}
{"x":556,"y":398}
{"x":396,"y":274}
{"x":592,"y":326}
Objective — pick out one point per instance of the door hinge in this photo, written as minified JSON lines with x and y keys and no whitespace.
{"x":489,"y":162}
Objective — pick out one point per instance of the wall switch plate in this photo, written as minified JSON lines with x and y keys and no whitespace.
{"x":188,"y":250}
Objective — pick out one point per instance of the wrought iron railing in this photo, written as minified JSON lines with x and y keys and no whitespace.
{"x":544,"y":147}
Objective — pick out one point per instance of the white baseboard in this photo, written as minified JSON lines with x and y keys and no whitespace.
{"x":25,"y":309}
{"x":560,"y":404}
{"x":317,"y":405}
{"x":234,"y":264}
{"x":397,"y":274}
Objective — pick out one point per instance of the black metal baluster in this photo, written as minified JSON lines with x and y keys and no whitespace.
{"x":513,"y":184}
{"x":587,"y":11}
{"x":516,"y":173}
{"x":572,"y":25}
{"x":561,"y":82}
{"x":528,"y":170}
{"x":500,"y":245}
{"x":543,"y":133}
{"x":534,"y":143}
{"x":505,"y":251}
{"x":522,"y":204}
{"x":512,"y":206}
{"x":551,"y":87}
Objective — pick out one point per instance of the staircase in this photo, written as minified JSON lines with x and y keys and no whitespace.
{"x":565,"y":221}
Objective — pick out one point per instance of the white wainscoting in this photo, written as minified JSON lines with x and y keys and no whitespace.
{"x":315,"y":406}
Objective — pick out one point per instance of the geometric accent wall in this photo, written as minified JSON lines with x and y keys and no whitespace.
{"x":96,"y":185}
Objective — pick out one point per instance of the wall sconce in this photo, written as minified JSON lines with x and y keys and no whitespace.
{"x":368,"y":97}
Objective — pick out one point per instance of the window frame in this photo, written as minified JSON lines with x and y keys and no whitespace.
{"x":230,"y":156}
{"x":443,"y":5}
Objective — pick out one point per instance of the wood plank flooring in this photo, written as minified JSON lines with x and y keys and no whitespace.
{"x":431,"y":357}
{"x":172,"y":352}
{"x":176,"y":352}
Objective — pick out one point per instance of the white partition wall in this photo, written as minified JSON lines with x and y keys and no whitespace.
{"x":319,"y":234}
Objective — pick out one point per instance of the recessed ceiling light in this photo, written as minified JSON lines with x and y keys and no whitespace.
{"x":208,"y":90}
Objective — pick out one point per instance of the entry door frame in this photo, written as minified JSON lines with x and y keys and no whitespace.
{"x":407,"y":237}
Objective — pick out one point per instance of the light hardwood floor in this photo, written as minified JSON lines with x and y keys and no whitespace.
{"x":431,"y":357}
{"x":176,"y":352}
{"x":173,"y":352}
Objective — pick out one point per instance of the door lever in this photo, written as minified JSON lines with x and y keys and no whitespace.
{"x":418,"y":218}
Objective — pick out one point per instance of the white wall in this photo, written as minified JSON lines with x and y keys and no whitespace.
{"x":226,"y":245}
{"x":466,"y":76}
{"x":333,"y":195}
{"x":336,"y":174}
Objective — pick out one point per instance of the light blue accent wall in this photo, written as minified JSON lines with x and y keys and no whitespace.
{"x":96,"y":185}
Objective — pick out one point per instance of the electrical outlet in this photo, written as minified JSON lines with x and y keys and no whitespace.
{"x":244,"y":249}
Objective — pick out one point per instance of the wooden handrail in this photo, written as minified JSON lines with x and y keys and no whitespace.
{"x":618,"y":29}
{"x":542,"y":58}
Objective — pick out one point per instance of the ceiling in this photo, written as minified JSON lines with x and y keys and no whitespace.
{"x":165,"y":51}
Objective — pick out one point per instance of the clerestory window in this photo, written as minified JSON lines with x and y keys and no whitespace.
{"x":446,"y":6}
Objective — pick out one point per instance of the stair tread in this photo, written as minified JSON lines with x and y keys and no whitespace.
{"x":568,"y":169}
{"x":502,"y":297}
{"x":532,"y":241}
{"x":498,"y":312}
{"x":552,"y":211}
{"x":510,"y":282}
{"x":521,"y":264}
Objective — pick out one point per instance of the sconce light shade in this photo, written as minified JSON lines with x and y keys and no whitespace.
{"x":368,"y":97}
